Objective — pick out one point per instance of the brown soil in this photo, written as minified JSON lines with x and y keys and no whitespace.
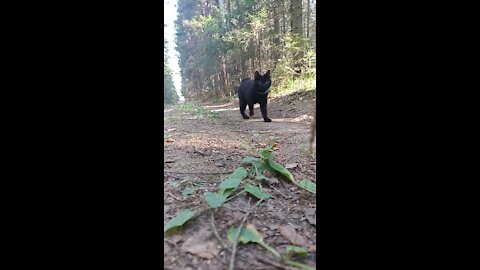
{"x":201,"y":151}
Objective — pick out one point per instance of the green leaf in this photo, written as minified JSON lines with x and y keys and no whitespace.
{"x":308,"y":185}
{"x":179,"y":220}
{"x":248,"y":234}
{"x":294,"y":250}
{"x":279,"y":168}
{"x":261,"y":177}
{"x":255,"y":191}
{"x":266,"y":153}
{"x":273,"y":138}
{"x":249,"y":159}
{"x":187,"y":191}
{"x":233,"y":180}
{"x":227,"y":192}
{"x":239,"y":173}
{"x":300,"y":266}
{"x":229,"y":185}
{"x":214,"y":200}
{"x":259,"y":167}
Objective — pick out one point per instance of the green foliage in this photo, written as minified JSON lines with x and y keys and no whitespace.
{"x":293,"y":251}
{"x":169,"y":94}
{"x":255,"y":191}
{"x":279,"y":168}
{"x":188,"y":191}
{"x":250,"y":234}
{"x":308,"y":185}
{"x":233,"y":181}
{"x":197,"y":110}
{"x":267,"y":157}
{"x":214,"y":200}
{"x":179,"y":220}
{"x":218,"y":49}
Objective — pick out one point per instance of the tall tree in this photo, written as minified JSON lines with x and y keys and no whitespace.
{"x":169,"y":93}
{"x":220,"y":42}
{"x":297,"y":30}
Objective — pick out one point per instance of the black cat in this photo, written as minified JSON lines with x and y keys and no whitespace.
{"x":255,"y":91}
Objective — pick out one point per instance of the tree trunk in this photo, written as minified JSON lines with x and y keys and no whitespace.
{"x":276,"y":27}
{"x":297,"y":31}
{"x":224,"y":76}
{"x":308,"y":18}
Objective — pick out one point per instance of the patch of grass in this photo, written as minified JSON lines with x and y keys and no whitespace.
{"x":304,"y":152}
{"x":199,"y":111}
{"x":225,"y":99}
{"x":302,"y":84}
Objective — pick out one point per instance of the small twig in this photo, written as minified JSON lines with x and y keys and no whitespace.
{"x":235,"y":242}
{"x":173,"y":195}
{"x":283,"y":195}
{"x":173,"y":176}
{"x":288,"y":137}
{"x":212,"y":222}
{"x":198,"y":172}
{"x":183,"y":205}
{"x":234,"y":196}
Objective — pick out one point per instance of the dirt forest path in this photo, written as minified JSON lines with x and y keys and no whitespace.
{"x":203,"y":144}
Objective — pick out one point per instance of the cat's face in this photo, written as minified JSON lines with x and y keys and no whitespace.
{"x":262,"y":83}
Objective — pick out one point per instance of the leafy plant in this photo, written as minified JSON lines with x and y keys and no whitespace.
{"x":214,"y":200}
{"x":255,"y":191}
{"x":179,"y":220}
{"x":188,"y":191}
{"x":308,"y":185}
{"x":231,"y":184}
{"x":233,"y":181}
{"x":249,"y":234}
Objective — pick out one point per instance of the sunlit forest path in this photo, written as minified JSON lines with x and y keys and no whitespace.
{"x":204,"y":143}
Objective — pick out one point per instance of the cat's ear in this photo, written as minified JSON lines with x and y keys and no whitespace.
{"x":268,"y":73}
{"x":257,"y":75}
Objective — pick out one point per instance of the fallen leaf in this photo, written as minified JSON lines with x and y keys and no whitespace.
{"x":291,"y":235}
{"x":312,"y":220}
{"x":199,"y":244}
{"x":291,"y":165}
{"x":179,"y":219}
{"x":311,"y":216}
{"x":170,"y":140}
{"x":175,"y":238}
{"x":166,"y":248}
{"x":273,"y":180}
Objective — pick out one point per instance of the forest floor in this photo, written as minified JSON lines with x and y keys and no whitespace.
{"x":203,"y":144}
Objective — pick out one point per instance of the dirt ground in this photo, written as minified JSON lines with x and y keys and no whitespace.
{"x":202,"y":149}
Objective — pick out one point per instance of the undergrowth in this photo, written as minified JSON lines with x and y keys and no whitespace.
{"x":246,"y":179}
{"x":199,"y":111}
{"x":289,"y":86}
